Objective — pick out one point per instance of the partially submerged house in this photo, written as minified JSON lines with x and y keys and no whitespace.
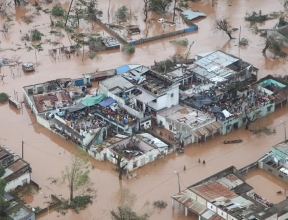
{"x":192,"y":15}
{"x":189,"y":125}
{"x":226,"y":195}
{"x":17,"y":171}
{"x":136,"y":150}
{"x":17,"y":210}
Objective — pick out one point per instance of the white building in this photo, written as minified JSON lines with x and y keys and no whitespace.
{"x":137,"y":150}
{"x":17,"y":171}
{"x":142,"y":92}
{"x":190,"y":125}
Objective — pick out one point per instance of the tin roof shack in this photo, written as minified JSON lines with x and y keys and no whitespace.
{"x":226,"y":195}
{"x":17,"y":210}
{"x":274,"y":87}
{"x":17,"y":171}
{"x":189,"y":125}
{"x":133,"y":29}
{"x":138,"y":150}
{"x":218,"y":67}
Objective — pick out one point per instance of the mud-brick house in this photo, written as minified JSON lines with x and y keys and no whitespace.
{"x":17,"y":171}
{"x":136,"y":150}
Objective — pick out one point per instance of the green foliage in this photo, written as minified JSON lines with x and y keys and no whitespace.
{"x":128,"y":49}
{"x":159,"y":6}
{"x":76,"y":174}
{"x":58,"y":11}
{"x":122,"y":13}
{"x":255,"y":17}
{"x":92,"y":12}
{"x":3,"y":98}
{"x":77,"y":204}
{"x":183,"y":42}
{"x":160,"y":204}
{"x":36,"y":35}
{"x":3,"y":204}
{"x":282,"y":22}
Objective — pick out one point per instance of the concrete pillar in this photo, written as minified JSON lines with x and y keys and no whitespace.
{"x":172,"y":203}
{"x":186,"y":211}
{"x":144,"y":107}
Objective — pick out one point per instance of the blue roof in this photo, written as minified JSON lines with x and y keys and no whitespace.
{"x":107,"y":102}
{"x":122,"y":69}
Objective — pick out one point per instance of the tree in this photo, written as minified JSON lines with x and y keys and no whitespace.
{"x":250,"y":119}
{"x":3,"y":203}
{"x":76,"y":174}
{"x":146,"y":9}
{"x":223,"y":25}
{"x":121,"y":13}
{"x":274,"y":46}
{"x":125,"y":211}
{"x":159,"y":6}
{"x":120,"y":167}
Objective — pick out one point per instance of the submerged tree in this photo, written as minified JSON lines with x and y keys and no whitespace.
{"x":76,"y":174}
{"x":146,"y":9}
{"x":122,"y":13}
{"x":159,"y":6}
{"x":274,"y":46}
{"x":125,"y":210}
{"x":224,"y":25}
{"x":251,"y":118}
{"x":120,"y":164}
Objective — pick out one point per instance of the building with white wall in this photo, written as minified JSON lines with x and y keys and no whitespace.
{"x":17,"y":171}
{"x":226,"y":195}
{"x":136,"y":150}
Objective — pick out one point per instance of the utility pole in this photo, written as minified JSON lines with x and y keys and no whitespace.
{"x":284,"y":125}
{"x":174,"y":10}
{"x":178,"y":182}
{"x":22,"y":149}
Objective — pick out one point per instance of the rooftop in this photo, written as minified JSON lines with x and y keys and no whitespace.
{"x":117,"y":82}
{"x":18,"y":211}
{"x":228,"y":191}
{"x":191,"y":15}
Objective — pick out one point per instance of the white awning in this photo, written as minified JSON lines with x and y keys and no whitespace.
{"x":226,"y":113}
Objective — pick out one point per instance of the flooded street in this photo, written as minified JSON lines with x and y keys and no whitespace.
{"x":48,"y":153}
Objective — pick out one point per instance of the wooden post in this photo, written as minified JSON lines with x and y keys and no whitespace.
{"x":239,"y":37}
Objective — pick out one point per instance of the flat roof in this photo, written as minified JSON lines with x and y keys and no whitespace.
{"x":117,"y":81}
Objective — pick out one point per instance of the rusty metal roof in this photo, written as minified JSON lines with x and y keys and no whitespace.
{"x":17,"y":165}
{"x":3,"y":153}
{"x":213,"y":190}
{"x":184,"y":198}
{"x":216,"y":217}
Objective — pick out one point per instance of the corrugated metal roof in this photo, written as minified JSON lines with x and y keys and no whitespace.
{"x":213,"y":190}
{"x":208,"y":214}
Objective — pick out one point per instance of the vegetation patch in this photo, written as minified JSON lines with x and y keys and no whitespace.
{"x":160,"y":204}
{"x":128,"y":49}
{"x":255,"y":17}
{"x":77,"y":204}
{"x":122,"y":13}
{"x":243,"y":42}
{"x":3,"y":98}
{"x":36,"y":35}
{"x":58,"y":11}
{"x":183,"y":42}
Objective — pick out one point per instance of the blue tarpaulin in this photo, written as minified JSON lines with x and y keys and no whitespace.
{"x":79,"y":82}
{"x":122,"y":69}
{"x":107,"y":102}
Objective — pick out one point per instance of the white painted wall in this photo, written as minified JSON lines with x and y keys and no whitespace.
{"x":212,"y":207}
{"x":17,"y":182}
{"x":222,"y":213}
{"x":283,"y":217}
{"x":43,"y":122}
{"x":30,"y":103}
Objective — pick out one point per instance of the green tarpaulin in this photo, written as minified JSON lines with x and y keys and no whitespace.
{"x":93,"y":100}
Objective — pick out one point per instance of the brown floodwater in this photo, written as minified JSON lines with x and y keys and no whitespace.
{"x":49,"y":154}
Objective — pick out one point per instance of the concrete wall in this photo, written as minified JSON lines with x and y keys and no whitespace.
{"x":29,"y":101}
{"x":43,"y":122}
{"x":17,"y":182}
{"x":275,"y":172}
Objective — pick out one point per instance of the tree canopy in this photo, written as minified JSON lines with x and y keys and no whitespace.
{"x":159,"y":6}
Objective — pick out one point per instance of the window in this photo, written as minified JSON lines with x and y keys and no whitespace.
{"x":135,"y":164}
{"x":24,"y":181}
{"x":244,"y":120}
{"x":172,"y":95}
{"x":269,"y":108}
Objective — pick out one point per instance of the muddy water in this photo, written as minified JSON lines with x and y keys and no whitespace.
{"x":269,"y":185}
{"x":48,"y":153}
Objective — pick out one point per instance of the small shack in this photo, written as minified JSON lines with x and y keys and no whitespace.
{"x":133,"y":29}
